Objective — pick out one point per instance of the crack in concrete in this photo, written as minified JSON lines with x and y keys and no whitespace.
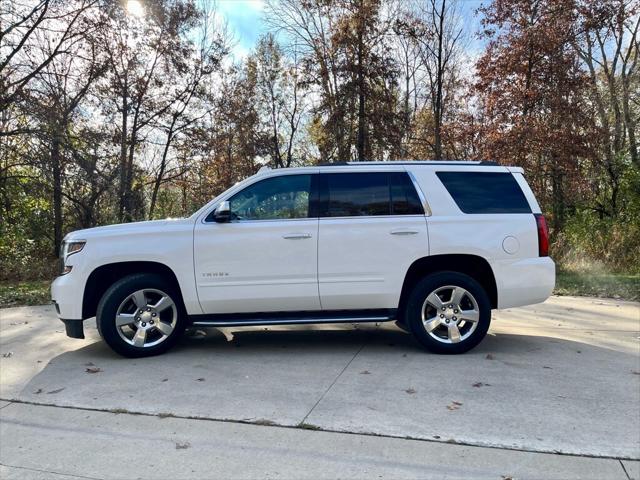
{"x":50,"y":471}
{"x":301,"y":426}
{"x":625,"y":470}
{"x":302,"y":422}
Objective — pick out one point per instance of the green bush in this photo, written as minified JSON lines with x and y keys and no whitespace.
{"x":599,"y":245}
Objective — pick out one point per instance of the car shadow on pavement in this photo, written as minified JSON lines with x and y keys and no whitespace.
{"x":372,"y":380}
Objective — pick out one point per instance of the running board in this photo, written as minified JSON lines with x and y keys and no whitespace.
{"x":292,"y":318}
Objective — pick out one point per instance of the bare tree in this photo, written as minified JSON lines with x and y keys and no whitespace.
{"x":202,"y":61}
{"x":608,"y":43}
{"x":280,"y":91}
{"x":435,"y":26}
{"x":19,"y":24}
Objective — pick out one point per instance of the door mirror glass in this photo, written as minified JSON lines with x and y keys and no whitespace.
{"x":223,"y":213}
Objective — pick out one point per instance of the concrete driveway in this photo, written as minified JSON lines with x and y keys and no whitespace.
{"x":561,"y":377}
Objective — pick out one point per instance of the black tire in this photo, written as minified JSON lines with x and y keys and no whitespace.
{"x":117,"y":294}
{"x":442,"y":280}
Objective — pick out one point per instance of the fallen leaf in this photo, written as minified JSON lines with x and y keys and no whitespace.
{"x":489,"y":356}
{"x":7,"y":355}
{"x":93,"y":370}
{"x":456,"y":403}
{"x":481,"y":384}
{"x":365,"y":372}
{"x":410,"y":391}
{"x":182,"y":445}
{"x":165,"y":379}
{"x":37,"y":392}
{"x":55,"y":391}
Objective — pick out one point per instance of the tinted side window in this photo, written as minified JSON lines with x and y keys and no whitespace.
{"x":485,"y":192}
{"x":404,"y":198}
{"x":281,"y":197}
{"x":357,"y":194}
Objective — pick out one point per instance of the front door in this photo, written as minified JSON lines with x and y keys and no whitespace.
{"x":265,"y":258}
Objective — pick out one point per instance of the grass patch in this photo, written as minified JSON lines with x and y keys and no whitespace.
{"x":594,"y":284}
{"x":16,"y":294}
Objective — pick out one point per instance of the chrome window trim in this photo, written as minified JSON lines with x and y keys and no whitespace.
{"x":242,"y":222}
{"x":421,"y":195}
{"x":418,"y":215}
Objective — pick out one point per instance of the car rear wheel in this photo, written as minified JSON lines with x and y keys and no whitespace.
{"x":448,"y":312}
{"x":140,"y":315}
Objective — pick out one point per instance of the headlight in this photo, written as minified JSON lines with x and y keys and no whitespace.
{"x":73,"y":247}
{"x":69,"y":248}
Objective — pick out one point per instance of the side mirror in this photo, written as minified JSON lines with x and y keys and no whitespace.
{"x":223,"y":213}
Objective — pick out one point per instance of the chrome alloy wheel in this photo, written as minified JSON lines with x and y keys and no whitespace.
{"x":450,"y":314}
{"x":146,"y":318}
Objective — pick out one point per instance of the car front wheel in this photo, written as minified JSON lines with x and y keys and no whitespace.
{"x":140,"y":315}
{"x":448,"y":312}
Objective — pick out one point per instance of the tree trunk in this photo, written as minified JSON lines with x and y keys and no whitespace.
{"x":360,"y":145}
{"x":437,"y":133}
{"x":56,"y":173}
{"x":558,"y":201}
{"x":163,"y":166}
{"x":629,"y":122}
{"x":123,"y":153}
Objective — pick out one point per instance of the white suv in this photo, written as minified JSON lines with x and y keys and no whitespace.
{"x":433,"y":245}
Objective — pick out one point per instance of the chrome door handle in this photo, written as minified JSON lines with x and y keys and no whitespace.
{"x":403,"y":231}
{"x":296,"y":236}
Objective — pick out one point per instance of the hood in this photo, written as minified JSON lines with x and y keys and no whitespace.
{"x":126,"y":228}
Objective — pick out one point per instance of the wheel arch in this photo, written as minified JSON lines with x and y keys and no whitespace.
{"x":106,"y":275}
{"x":475,"y":266}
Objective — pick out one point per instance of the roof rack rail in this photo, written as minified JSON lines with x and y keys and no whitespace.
{"x":471,"y":163}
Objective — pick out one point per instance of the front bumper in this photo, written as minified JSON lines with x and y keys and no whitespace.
{"x":66,"y":294}
{"x":73,"y":328}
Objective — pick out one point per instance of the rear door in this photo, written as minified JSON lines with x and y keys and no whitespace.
{"x":372,"y":227}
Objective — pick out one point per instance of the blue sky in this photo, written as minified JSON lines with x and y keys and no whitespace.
{"x":245,"y":19}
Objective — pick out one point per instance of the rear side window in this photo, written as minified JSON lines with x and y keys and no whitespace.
{"x":485,"y":192}
{"x":404,"y":198}
{"x":358,"y":194}
{"x":368,"y":194}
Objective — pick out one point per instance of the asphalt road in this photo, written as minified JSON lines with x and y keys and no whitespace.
{"x":553,"y":392}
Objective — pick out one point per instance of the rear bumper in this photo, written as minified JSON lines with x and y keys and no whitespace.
{"x":525,"y":281}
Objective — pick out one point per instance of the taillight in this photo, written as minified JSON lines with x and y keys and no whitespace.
{"x":543,"y":235}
